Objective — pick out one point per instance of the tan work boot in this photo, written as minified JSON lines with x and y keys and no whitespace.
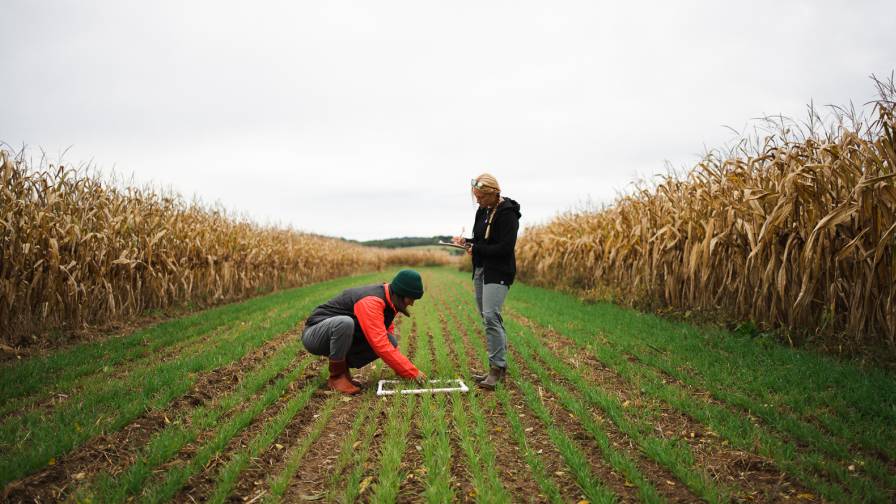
{"x":477,"y":376}
{"x":338,"y":380}
{"x":495,"y":376}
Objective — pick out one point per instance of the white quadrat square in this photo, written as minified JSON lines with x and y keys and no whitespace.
{"x":385,"y":387}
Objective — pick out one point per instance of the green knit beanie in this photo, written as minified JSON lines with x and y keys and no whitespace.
{"x":408,"y":283}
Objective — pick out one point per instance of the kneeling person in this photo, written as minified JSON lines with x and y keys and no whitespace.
{"x":356,"y":327}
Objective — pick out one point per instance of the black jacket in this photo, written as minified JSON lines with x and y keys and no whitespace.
{"x":496,"y":255}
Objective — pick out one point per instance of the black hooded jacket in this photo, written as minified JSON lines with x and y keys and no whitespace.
{"x":496,"y":254}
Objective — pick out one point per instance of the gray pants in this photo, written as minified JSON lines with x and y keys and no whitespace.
{"x":334,"y":338}
{"x":490,"y":299}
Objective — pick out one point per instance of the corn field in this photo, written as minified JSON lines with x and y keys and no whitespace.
{"x":76,"y":251}
{"x":795,"y":232}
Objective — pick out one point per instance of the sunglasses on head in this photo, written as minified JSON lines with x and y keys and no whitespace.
{"x":479,"y":185}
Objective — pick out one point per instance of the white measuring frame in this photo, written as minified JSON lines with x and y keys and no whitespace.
{"x":460,"y":387}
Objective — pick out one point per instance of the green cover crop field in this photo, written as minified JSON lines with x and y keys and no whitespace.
{"x":602,"y":404}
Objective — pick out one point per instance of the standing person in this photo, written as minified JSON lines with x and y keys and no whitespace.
{"x":494,"y":267}
{"x":356,"y":327}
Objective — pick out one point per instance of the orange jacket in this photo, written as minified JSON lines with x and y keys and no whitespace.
{"x":369,"y":311}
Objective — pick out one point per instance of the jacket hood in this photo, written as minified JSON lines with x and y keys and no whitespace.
{"x":510,"y":205}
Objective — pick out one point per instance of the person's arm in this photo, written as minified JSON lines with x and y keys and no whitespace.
{"x":369,"y":312}
{"x":505,"y":231}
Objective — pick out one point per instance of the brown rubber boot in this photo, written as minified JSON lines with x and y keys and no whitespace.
{"x":339,"y":378}
{"x":495,"y":376}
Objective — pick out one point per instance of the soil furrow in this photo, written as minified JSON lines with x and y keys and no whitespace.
{"x":414,"y":483}
{"x":313,"y":475}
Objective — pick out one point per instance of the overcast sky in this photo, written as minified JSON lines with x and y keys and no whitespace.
{"x":367,"y":119}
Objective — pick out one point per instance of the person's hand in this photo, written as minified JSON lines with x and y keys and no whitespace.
{"x":470,"y":249}
{"x":421,"y":377}
{"x":458,"y":240}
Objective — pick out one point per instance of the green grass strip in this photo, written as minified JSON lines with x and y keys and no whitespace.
{"x":533,"y":460}
{"x":737,"y":429}
{"x":856,"y":403}
{"x":31,"y":441}
{"x":280,"y":483}
{"x":394,"y":443}
{"x":434,"y":426}
{"x":846,"y":402}
{"x":772,"y":415}
{"x":619,"y":461}
{"x":674,"y":455}
{"x":433,"y":423}
{"x":58,"y":370}
{"x":571,"y":451}
{"x":351,"y":488}
{"x":111,"y":408}
{"x":74,"y":385}
{"x":168,"y":442}
{"x":228,"y":475}
{"x":356,"y":441}
{"x":472,"y":438}
{"x":740,"y":431}
{"x":479,"y":454}
{"x":174,"y":479}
